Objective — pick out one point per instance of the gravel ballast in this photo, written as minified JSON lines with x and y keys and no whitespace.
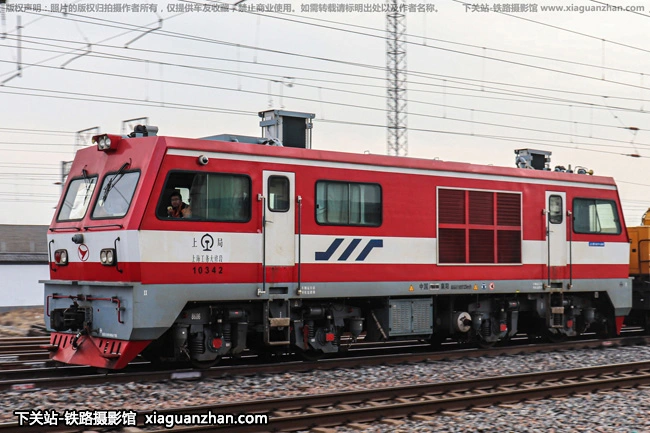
{"x":622,"y":411}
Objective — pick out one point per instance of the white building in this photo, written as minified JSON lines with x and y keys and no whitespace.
{"x":23,"y":262}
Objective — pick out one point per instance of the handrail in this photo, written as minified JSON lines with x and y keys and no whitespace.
{"x":299,"y":240}
{"x":263,"y":200}
{"x":570,"y":219}
{"x":49,"y":255}
{"x":119,"y":226}
{"x":56,"y":229}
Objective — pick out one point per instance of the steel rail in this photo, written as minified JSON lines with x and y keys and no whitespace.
{"x":70,"y":376}
{"x":424,"y":399}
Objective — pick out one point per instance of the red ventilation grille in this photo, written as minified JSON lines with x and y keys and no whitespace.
{"x":481,"y":246}
{"x":509,"y":246}
{"x":109,"y":346}
{"x":451,"y":206}
{"x":452,"y":245}
{"x":508,"y":209}
{"x":481,"y":208}
{"x":472,"y":239}
{"x":61,"y":340}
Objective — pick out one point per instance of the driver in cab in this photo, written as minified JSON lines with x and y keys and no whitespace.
{"x":178,"y":209}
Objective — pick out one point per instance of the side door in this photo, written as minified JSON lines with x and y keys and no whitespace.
{"x":279,"y":218}
{"x":556,"y":237}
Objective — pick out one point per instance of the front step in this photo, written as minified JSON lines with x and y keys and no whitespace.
{"x":271,"y":323}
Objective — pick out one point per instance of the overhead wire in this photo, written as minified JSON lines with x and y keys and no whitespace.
{"x":111,"y":99}
{"x":440,"y":77}
{"x":450,"y":119}
{"x":162,"y":32}
{"x":186,"y":83}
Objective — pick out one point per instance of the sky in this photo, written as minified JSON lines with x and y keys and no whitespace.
{"x":482,"y":80}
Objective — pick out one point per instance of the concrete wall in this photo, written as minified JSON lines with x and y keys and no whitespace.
{"x":19,"y":286}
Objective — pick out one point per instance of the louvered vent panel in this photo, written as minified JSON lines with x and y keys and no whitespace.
{"x":400,"y":318}
{"x":509,"y":246}
{"x":481,"y":209}
{"x":451,"y":206}
{"x":508,"y":209}
{"x":451,"y":244}
{"x":481,"y":246}
{"x":422,"y":316}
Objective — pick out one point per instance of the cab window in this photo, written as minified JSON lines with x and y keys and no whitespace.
{"x":595,"y":216}
{"x":206,"y":197}
{"x":77,"y":199}
{"x":116,"y":194}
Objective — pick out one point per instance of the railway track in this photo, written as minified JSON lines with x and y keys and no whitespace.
{"x":60,"y":376}
{"x":334,"y":409}
{"x":23,"y":352}
{"x":305,"y":412}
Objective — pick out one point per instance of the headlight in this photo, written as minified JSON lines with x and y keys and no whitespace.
{"x":106,"y":142}
{"x":108,"y":257}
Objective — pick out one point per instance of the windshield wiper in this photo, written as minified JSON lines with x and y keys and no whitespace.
{"x":114,"y":180}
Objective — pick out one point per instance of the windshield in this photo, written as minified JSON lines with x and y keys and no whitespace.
{"x":77,"y":199}
{"x":116,"y":194}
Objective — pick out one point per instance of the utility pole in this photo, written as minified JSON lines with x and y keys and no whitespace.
{"x":397,"y":139}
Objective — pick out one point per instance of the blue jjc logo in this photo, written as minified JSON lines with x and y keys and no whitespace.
{"x":326,"y":255}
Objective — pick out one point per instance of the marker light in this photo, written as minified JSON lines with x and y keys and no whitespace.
{"x":61,"y":257}
{"x":107,"y":257}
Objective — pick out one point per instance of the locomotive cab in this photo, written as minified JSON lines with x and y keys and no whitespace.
{"x":94,"y":255}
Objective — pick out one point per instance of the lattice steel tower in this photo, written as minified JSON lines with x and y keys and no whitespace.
{"x":397,"y":139}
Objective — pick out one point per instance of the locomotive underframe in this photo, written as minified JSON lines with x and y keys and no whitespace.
{"x":203,"y":330}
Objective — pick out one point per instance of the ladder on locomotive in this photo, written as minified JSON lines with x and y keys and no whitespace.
{"x":277,"y":321}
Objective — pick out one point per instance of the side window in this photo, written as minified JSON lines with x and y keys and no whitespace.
{"x":77,"y":199}
{"x":278,"y":194}
{"x":595,"y":216}
{"x":206,"y":197}
{"x":555,"y":211}
{"x":343,"y":203}
{"x":116,"y":194}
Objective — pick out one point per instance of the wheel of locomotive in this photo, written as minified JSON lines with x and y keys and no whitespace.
{"x":155,"y":354}
{"x":436,"y":341}
{"x":646,"y":322}
{"x":271,"y":356}
{"x":554,"y":337}
{"x":203,"y":365}
{"x":481,"y":343}
{"x":312,"y":355}
{"x":533,"y":337}
{"x":505,"y":341}
{"x":606,"y":329}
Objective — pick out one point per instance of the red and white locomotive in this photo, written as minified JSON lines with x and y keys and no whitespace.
{"x":292,"y":249}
